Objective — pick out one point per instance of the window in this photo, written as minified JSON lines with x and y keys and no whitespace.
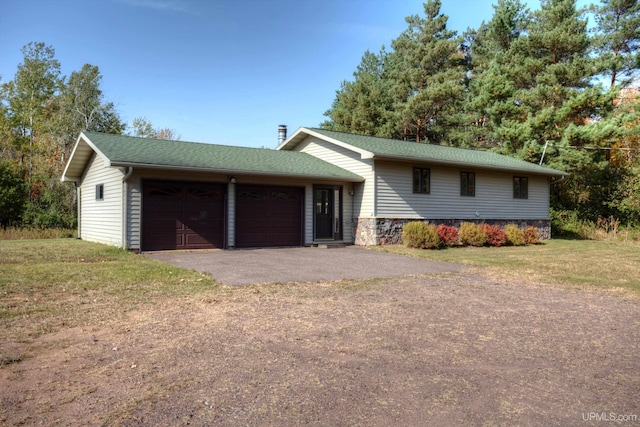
{"x":467,"y":184}
{"x":421,"y":180}
{"x":520,"y":187}
{"x":100,"y":192}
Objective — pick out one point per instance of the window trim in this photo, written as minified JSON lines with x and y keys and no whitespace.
{"x":522,"y":190}
{"x":420,"y":180}
{"x":99,"y":191}
{"x":464,"y":184}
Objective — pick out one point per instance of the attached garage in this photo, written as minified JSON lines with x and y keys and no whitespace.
{"x":269,"y":216}
{"x":182,"y":215}
{"x":147,"y":194}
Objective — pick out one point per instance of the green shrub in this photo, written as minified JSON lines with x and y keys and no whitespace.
{"x":13,"y":194}
{"x":515,"y":236}
{"x":471,"y":234}
{"x":495,"y":235}
{"x":448,"y":235}
{"x":531,"y":235}
{"x":419,"y":235}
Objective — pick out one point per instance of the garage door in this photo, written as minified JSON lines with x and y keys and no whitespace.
{"x":182,"y":215}
{"x":268,"y":216}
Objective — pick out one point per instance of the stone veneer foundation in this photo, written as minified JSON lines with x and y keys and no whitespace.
{"x":385,"y":231}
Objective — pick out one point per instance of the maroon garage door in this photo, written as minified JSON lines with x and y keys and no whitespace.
{"x":268,"y":216}
{"x":182,"y":215}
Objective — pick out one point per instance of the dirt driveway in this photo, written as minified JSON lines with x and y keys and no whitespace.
{"x":286,"y":265}
{"x":436,"y":349}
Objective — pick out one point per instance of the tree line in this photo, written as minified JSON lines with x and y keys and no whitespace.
{"x":541,"y":85}
{"x":42,"y":113}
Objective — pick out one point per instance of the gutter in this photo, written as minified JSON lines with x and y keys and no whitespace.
{"x":485,"y":166}
{"x":125,"y":211}
{"x":352,"y":178}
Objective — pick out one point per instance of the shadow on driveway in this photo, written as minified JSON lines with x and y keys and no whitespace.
{"x":284,"y":265}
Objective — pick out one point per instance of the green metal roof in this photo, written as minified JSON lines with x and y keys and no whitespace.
{"x":122,"y":150}
{"x":393,"y":149}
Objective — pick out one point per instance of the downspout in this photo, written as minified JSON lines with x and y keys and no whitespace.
{"x":78,"y":208}
{"x":125,"y":203}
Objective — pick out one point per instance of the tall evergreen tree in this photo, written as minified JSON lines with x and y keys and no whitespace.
{"x":618,"y":39}
{"x":364,"y":105}
{"x":539,"y":92}
{"x":413,"y":92}
{"x":490,"y":94}
{"x":428,"y":77}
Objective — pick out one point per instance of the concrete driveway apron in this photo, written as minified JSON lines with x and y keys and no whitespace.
{"x":284,"y":265}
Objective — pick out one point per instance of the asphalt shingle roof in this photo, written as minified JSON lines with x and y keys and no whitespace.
{"x":122,"y":150}
{"x":407,"y":150}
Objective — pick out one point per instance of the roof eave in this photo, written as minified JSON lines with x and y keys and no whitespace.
{"x":75,"y":153}
{"x":355,"y":178}
{"x":542,"y":171}
{"x":294,"y":139}
{"x":64,"y":177}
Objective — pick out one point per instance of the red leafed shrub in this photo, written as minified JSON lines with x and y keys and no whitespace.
{"x":495,"y":235}
{"x":448,"y":235}
{"x":531,"y":235}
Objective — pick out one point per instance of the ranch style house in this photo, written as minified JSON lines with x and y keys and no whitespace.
{"x":319,"y":187}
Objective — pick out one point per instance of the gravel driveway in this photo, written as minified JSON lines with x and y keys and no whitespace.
{"x":286,"y":265}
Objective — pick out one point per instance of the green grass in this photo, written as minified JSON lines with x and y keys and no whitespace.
{"x":47,"y":284}
{"x":578,"y":262}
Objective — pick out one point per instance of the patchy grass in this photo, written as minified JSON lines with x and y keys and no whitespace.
{"x":22,"y":233}
{"x":577,"y":262}
{"x":49,"y":284}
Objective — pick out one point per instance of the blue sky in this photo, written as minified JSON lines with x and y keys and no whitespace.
{"x":219,"y":71}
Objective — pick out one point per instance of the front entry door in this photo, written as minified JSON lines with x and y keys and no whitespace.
{"x":327,"y":213}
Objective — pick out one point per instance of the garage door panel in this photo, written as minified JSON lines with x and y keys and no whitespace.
{"x":182,"y":215}
{"x":269,"y":216}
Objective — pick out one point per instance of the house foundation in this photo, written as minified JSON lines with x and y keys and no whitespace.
{"x":388,"y":231}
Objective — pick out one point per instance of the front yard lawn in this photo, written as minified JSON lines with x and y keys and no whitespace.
{"x":576,"y":262}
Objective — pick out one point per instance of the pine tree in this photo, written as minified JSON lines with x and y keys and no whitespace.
{"x":428,"y":77}
{"x":618,"y":39}
{"x":491,"y":91}
{"x":363,"y":105}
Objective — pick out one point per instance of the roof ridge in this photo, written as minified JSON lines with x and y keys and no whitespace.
{"x":160,"y":140}
{"x":486,"y":150}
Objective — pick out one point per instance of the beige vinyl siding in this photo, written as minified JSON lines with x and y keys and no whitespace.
{"x":493,"y":198}
{"x":101,"y":220}
{"x":134,"y":213}
{"x":363,"y":198}
{"x":308,"y":214}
